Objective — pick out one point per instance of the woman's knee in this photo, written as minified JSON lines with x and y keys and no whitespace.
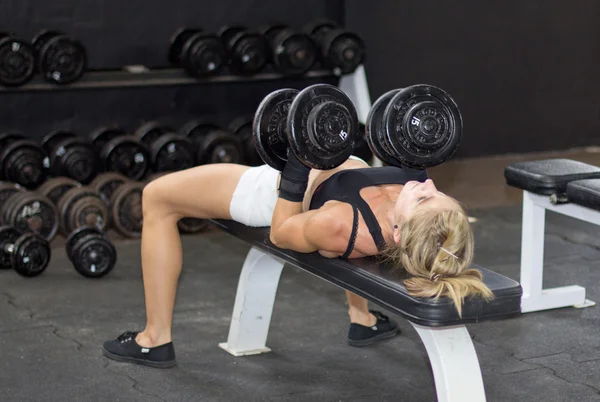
{"x":155,"y":199}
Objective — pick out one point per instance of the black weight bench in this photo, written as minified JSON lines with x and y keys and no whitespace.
{"x":451,"y":352}
{"x":564,"y":186}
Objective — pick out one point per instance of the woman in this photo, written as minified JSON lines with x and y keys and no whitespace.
{"x":351,"y":211}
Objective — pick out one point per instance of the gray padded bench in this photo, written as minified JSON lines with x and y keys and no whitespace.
{"x":564,"y":186}
{"x":449,"y":346}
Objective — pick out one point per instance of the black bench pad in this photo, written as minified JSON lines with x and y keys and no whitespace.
{"x":383,"y":285}
{"x":548,"y":176}
{"x":585,"y":192}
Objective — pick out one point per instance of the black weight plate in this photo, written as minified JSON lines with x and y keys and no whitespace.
{"x":203,"y":55}
{"x":316,"y":27}
{"x":343,"y":50}
{"x":219,"y":147}
{"x":227,"y":32}
{"x":94,"y":256}
{"x":151,"y":131}
{"x":51,"y":140}
{"x":8,"y":137}
{"x":62,"y":60}
{"x":102,"y":135}
{"x":7,"y":206}
{"x":36,"y":213}
{"x":249,"y":52}
{"x":78,"y":234}
{"x":67,"y":201}
{"x":322,"y":126}
{"x":55,"y":187}
{"x":42,"y":37}
{"x":8,"y":237}
{"x":126,"y":155}
{"x":269,"y":127}
{"x":172,"y":152}
{"x":271,"y":31}
{"x":196,"y":130}
{"x":7,"y":189}
{"x":375,"y":132}
{"x":191,"y":225}
{"x":17,"y":61}
{"x":126,"y":209}
{"x":87,"y":211}
{"x":24,"y":162}
{"x":423,"y":126}
{"x":107,"y":183}
{"x":178,"y":39}
{"x":293,"y":52}
{"x":75,"y":158}
{"x":31,"y":255}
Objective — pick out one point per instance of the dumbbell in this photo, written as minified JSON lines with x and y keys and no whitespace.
{"x":29,"y":211}
{"x":27,"y":253}
{"x":339,"y":48}
{"x":185,"y":225}
{"x":121,"y":153}
{"x":248,"y":50}
{"x":81,"y":206}
{"x":292,"y":51}
{"x":169,"y":151}
{"x":199,"y":54}
{"x":61,"y":59}
{"x":318,"y":124}
{"x":71,"y":156}
{"x":241,"y":127}
{"x":92,"y":253}
{"x":418,"y":127}
{"x":213,"y":144}
{"x":17,"y":61}
{"x":22,"y":160}
{"x":124,"y":200}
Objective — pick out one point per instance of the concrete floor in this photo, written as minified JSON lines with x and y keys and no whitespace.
{"x":52,"y":327}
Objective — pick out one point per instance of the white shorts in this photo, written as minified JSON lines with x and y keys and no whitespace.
{"x":255,"y":196}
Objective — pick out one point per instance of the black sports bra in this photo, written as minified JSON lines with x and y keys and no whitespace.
{"x":345,"y":186}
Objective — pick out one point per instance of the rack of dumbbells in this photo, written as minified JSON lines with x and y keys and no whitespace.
{"x":81,"y":185}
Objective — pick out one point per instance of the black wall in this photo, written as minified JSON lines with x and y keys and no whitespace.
{"x":524,"y":73}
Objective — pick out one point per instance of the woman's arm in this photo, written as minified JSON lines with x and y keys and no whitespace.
{"x":307,"y":232}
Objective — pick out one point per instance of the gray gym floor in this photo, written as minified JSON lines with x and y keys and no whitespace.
{"x":52,"y":328}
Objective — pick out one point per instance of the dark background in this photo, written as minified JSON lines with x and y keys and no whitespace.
{"x":524,"y":74}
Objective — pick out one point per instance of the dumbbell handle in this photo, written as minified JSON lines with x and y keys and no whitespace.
{"x":9,"y":248}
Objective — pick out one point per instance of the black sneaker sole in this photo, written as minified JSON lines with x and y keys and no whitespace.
{"x":370,"y":341}
{"x":143,"y":362}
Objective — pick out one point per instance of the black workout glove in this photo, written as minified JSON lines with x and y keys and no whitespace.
{"x":294,"y":179}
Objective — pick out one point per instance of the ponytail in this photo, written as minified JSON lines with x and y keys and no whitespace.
{"x":436,"y":248}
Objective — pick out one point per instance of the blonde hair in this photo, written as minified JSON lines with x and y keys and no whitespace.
{"x":436,"y":248}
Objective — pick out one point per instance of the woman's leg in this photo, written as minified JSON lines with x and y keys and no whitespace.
{"x":358,"y":310}
{"x":200,"y":192}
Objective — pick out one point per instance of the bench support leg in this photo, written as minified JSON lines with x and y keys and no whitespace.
{"x":254,"y":302}
{"x":454,"y":362}
{"x":535,"y":298}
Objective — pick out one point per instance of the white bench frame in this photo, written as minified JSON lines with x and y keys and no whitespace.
{"x":535,"y":298}
{"x":451,"y":351}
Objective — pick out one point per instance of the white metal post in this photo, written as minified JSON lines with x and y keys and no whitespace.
{"x":356,"y":87}
{"x":254,"y":302}
{"x":535,"y":298}
{"x":454,"y":362}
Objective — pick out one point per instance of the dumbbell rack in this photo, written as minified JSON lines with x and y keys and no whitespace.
{"x":141,"y":76}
